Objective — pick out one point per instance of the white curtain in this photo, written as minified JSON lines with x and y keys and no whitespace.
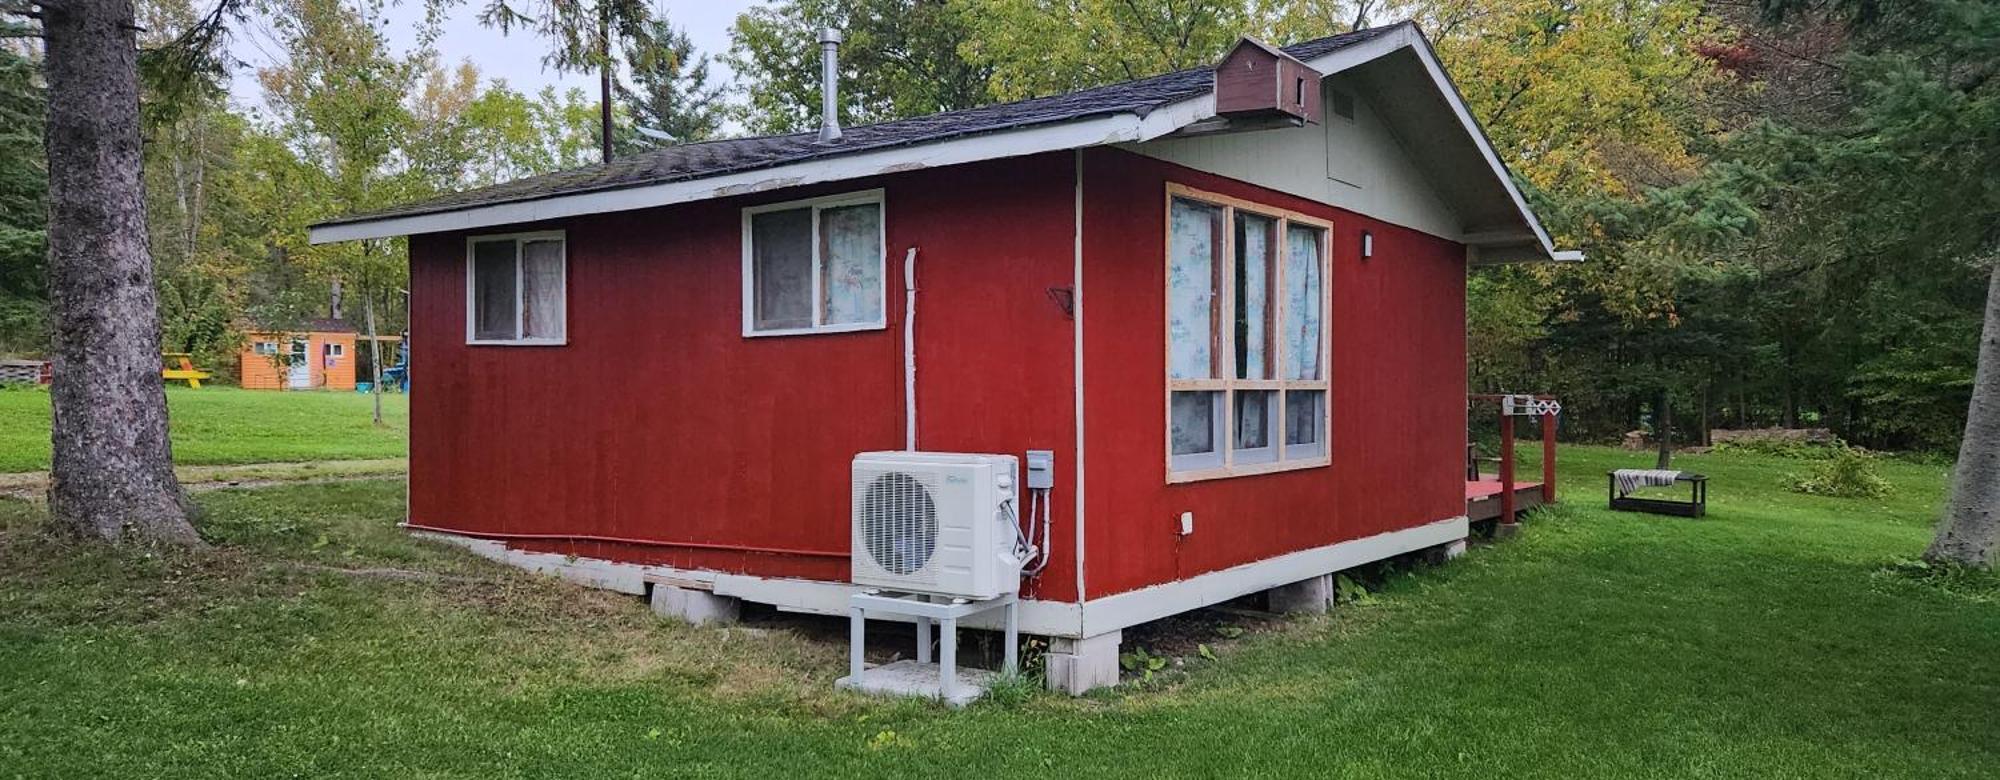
{"x":542,"y":290}
{"x":851,"y":263}
{"x":1253,"y":295}
{"x":1191,"y":259}
{"x":1304,"y":300}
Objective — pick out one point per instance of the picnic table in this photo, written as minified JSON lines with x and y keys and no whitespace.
{"x":186,"y":372}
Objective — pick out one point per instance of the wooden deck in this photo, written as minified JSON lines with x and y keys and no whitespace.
{"x":1482,"y":498}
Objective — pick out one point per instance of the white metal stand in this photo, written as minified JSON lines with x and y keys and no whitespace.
{"x":927,"y":611}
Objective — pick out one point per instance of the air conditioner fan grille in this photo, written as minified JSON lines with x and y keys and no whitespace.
{"x":899,"y":523}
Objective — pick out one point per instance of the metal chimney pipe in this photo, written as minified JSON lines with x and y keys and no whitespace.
{"x":829,"y":85}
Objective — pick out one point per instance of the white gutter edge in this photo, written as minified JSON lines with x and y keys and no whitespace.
{"x":1117,"y":128}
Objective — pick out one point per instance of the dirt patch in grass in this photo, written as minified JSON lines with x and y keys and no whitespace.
{"x":34,"y":485}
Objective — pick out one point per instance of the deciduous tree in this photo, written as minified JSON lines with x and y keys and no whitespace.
{"x":1970,"y":532}
{"x":1042,"y":47}
{"x":900,"y":58}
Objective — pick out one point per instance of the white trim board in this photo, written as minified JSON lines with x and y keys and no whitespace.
{"x":1117,"y":128}
{"x":1133,"y":607}
{"x":1076,"y":324}
{"x":1044,"y":618}
{"x":1073,"y":134}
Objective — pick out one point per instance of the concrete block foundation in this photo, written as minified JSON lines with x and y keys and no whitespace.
{"x":1310,"y":596}
{"x":1445,"y":553}
{"x":699,"y":607}
{"x":1076,"y":666}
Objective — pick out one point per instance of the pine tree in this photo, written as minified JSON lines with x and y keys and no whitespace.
{"x":669,"y":90}
{"x":23,"y":207}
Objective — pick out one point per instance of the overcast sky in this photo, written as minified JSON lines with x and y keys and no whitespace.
{"x":516,"y":58}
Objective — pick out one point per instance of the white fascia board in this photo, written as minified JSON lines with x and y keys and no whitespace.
{"x":1117,"y":128}
{"x":1174,"y":116}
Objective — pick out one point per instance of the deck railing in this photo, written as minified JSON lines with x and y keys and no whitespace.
{"x":1496,"y":403}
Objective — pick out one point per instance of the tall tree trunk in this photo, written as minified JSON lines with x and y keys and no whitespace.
{"x":1707,"y":395}
{"x":112,"y":474}
{"x":1791,"y":400}
{"x":374,"y":352}
{"x":603,"y":83}
{"x":1663,"y":419}
{"x":1971,"y":527}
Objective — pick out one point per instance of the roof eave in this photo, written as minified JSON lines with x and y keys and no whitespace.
{"x":1106,"y":129}
{"x":1097,"y":131}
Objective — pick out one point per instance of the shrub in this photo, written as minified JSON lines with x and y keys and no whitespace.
{"x":1777,"y":448}
{"x":1850,"y":473}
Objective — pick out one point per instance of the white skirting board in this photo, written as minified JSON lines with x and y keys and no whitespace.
{"x":1044,"y":618}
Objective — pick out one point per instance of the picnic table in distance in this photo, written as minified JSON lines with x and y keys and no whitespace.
{"x":186,"y":372}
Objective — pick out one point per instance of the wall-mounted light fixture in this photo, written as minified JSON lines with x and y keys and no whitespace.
{"x":1367,"y":245}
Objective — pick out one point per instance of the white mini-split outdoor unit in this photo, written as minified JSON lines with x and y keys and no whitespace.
{"x":937,"y":523}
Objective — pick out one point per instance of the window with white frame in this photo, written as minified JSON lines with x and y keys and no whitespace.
{"x":334,"y":350}
{"x":515,"y":289}
{"x":1247,"y":337}
{"x":814,"y":266}
{"x":265,"y":348}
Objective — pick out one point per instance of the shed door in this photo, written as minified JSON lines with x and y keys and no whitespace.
{"x":298,"y":375}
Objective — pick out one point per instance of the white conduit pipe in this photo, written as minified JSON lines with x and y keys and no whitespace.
{"x":910,"y":350}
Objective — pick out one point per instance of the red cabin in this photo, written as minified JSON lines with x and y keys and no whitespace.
{"x":1245,"y":344}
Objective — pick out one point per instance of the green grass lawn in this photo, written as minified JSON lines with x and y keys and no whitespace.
{"x":1773,"y":639}
{"x":217,"y":425}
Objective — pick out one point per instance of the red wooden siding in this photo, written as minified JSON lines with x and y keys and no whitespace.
{"x":660,"y":421}
{"x":1397,"y":406}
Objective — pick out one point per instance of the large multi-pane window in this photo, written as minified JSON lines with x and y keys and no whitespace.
{"x":1246,"y":337}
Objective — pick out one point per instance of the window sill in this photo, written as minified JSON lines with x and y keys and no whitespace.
{"x":517,"y":342}
{"x":824,"y":329}
{"x":1246,"y":470}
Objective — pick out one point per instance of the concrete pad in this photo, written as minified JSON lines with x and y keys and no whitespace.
{"x":1310,"y":596}
{"x":920,"y":680}
{"x":1076,"y":666}
{"x":699,"y":607}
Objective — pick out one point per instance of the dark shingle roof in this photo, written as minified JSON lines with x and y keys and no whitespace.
{"x":715,"y":158}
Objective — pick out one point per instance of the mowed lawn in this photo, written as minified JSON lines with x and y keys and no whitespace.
{"x":1776,"y":638}
{"x":225,"y":425}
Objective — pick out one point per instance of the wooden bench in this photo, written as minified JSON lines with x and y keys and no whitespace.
{"x":1696,"y":504}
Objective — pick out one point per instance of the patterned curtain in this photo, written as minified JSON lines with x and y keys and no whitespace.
{"x":851,"y":263}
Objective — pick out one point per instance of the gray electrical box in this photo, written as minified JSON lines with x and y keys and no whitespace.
{"x":1041,"y":469}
